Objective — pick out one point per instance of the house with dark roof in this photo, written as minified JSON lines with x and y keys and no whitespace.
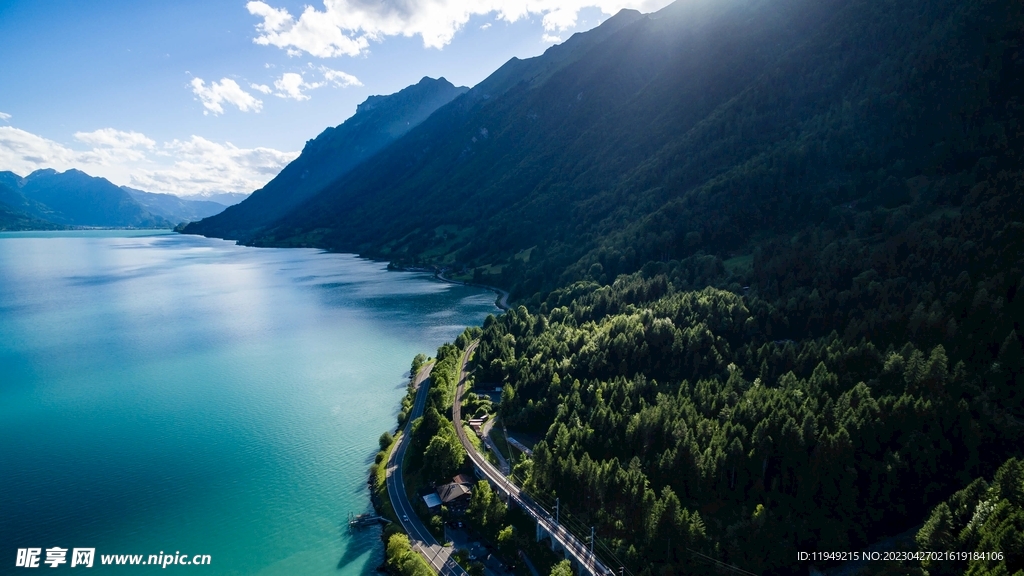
{"x":454,"y":495}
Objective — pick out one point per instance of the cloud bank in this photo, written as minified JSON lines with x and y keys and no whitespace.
{"x":346,"y":27}
{"x":227,"y":91}
{"x":182,"y":167}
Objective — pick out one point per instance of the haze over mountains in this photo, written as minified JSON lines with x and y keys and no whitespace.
{"x":49,"y":200}
{"x":177,"y":209}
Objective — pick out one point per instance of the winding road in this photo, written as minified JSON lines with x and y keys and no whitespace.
{"x":422,"y":541}
{"x":572,"y":545}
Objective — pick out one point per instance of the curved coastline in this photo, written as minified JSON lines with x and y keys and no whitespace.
{"x":501,"y":301}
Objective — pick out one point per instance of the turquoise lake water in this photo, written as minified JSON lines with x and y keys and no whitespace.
{"x":168,"y":393}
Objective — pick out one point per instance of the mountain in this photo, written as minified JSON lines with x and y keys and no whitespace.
{"x":574,"y":128}
{"x":11,"y":218}
{"x":687,"y":130}
{"x":770,"y":256}
{"x":10,"y":195}
{"x":225,"y":198}
{"x":377,"y":122}
{"x":74,"y":198}
{"x":770,"y":262}
{"x":175,"y":208}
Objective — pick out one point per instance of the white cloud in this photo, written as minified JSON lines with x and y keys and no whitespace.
{"x":110,"y":145}
{"x":291,"y":85}
{"x":5,"y":117}
{"x":261,"y":88}
{"x":346,"y":27}
{"x":22,"y":152}
{"x":485,"y":26}
{"x":312,"y":33}
{"x":201,"y":165}
{"x":182,"y":167}
{"x":339,"y":78}
{"x":227,"y":90}
{"x":294,"y":85}
{"x":111,"y":138}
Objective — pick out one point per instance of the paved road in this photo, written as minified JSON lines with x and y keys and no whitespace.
{"x":485,"y":431}
{"x":573,"y":545}
{"x":421,"y":539}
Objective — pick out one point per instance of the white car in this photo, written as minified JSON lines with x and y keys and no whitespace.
{"x":405,"y":518}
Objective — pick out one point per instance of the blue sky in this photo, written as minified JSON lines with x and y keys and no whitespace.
{"x":188,"y":97}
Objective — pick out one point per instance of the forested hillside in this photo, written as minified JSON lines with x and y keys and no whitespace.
{"x":770,"y":256}
{"x":715,"y":127}
{"x":13,"y":215}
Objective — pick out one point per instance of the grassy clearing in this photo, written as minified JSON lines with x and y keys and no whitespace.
{"x":499,"y":442}
{"x":473,"y":438}
{"x":739,"y":264}
{"x":524,"y":255}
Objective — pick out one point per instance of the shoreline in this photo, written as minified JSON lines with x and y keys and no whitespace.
{"x":502,"y":300}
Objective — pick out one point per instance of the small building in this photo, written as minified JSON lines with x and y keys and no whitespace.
{"x":476,"y":423}
{"x":454,"y":495}
{"x":464,"y":479}
{"x":432,"y":501}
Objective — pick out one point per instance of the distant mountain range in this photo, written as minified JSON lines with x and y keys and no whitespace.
{"x":377,"y":122}
{"x":50,"y":200}
{"x":175,"y":208}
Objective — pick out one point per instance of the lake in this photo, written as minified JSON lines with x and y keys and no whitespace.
{"x":162,"y":393}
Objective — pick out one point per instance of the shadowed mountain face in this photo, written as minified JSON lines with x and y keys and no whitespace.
{"x":14,"y":217}
{"x":174,"y":208}
{"x":74,"y":198}
{"x":771,"y":256}
{"x":702,"y":128}
{"x":377,"y":122}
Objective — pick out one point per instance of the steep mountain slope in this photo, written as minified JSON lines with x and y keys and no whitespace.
{"x":771,"y":256}
{"x":76,"y":199}
{"x":377,"y":122}
{"x":554,"y":138}
{"x":699,"y":128}
{"x":174,"y":208}
{"x":11,"y":218}
{"x":10,"y":194}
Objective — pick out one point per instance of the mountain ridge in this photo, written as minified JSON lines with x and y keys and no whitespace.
{"x":175,"y":209}
{"x":74,"y":198}
{"x":378,"y":121}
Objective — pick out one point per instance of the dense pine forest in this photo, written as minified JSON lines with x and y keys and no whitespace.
{"x":768,"y":259}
